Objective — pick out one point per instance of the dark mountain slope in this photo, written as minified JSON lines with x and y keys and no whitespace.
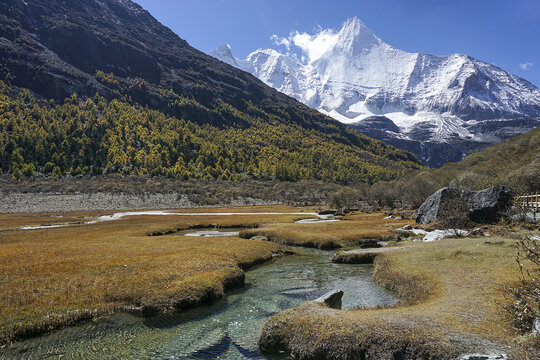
{"x":118,"y":50}
{"x":55,"y":48}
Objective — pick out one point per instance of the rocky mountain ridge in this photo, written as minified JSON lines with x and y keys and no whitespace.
{"x":454,"y":100}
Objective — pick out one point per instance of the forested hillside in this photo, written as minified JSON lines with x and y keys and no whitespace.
{"x":96,"y":136}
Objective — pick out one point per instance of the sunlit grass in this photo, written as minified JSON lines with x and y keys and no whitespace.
{"x":54,"y":277}
{"x":450,"y":290}
{"x":353,"y":229}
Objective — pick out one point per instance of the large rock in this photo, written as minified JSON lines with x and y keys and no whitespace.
{"x":486,"y":206}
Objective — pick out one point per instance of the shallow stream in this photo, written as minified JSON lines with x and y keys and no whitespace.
{"x":228,"y":329}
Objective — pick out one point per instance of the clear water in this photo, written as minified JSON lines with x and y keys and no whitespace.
{"x":209,"y":232}
{"x":228,"y":329}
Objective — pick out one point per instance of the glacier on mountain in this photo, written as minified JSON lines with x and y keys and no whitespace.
{"x":433,"y":100}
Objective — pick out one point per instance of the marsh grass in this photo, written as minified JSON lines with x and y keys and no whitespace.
{"x":448,"y":292}
{"x":13,"y":221}
{"x":56,"y":277}
{"x":351,"y":231}
{"x":354,"y":258}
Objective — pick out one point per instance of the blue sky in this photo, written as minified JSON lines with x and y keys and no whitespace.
{"x":502,"y":32}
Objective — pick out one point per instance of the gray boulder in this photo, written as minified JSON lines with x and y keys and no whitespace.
{"x":524,"y":217}
{"x":485,"y":206}
{"x":332,"y":299}
{"x":370,"y":244}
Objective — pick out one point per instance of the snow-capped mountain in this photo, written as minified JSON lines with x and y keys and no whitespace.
{"x":440,"y":107}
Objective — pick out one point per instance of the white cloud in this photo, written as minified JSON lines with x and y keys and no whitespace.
{"x":526,"y":66}
{"x":312,"y":46}
{"x":281,"y":41}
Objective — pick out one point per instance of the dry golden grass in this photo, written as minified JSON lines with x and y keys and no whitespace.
{"x":450,"y":289}
{"x":354,"y":258}
{"x":54,"y":277}
{"x":12,"y":221}
{"x":331,"y":235}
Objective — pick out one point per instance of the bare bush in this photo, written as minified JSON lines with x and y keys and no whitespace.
{"x":525,"y":306}
{"x":383,"y":194}
{"x":527,"y":179}
{"x":470,"y":180}
{"x":345,"y":198}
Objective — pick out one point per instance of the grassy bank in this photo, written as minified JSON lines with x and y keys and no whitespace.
{"x":56,"y":277}
{"x":449,"y":291}
{"x":351,"y":231}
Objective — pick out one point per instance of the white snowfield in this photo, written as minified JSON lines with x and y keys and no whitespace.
{"x":359,"y":76}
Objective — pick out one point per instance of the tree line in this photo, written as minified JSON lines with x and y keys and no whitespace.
{"x":97,"y":136}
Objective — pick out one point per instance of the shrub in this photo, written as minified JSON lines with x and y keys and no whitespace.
{"x":57,"y":173}
{"x":344,"y":198}
{"x":28,"y":170}
{"x":525,"y":306}
{"x":16,"y":173}
{"x":48,"y":168}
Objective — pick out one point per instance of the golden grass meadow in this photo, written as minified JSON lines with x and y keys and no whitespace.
{"x":57,"y":277}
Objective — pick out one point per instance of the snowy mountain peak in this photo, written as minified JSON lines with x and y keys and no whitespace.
{"x":355,"y":36}
{"x":224,"y":54}
{"x":437,"y":99}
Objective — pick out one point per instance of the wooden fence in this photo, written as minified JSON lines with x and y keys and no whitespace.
{"x":530,"y":201}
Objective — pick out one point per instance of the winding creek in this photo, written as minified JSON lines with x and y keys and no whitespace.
{"x":228,"y":329}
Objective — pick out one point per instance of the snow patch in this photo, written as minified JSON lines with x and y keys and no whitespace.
{"x":212,"y":233}
{"x":435,"y":235}
{"x":484,"y":357}
{"x":441,"y":234}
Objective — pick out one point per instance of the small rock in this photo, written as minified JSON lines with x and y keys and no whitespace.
{"x":354,"y":257}
{"x":528,"y":218}
{"x":332,"y":299}
{"x":370,"y":244}
{"x":536,"y":327}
